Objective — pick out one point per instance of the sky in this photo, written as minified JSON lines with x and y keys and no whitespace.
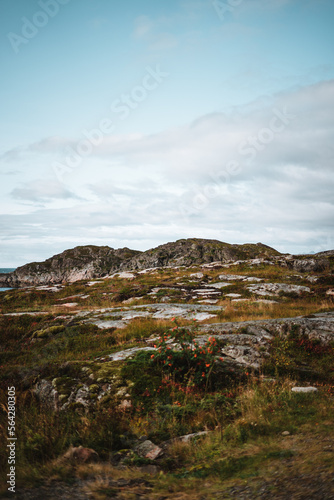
{"x":140,"y":122}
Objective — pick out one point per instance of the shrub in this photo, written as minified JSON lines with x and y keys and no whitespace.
{"x":187,"y":360}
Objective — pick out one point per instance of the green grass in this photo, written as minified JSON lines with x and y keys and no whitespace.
{"x":245,"y":415}
{"x":246,"y":443}
{"x":297,"y":355}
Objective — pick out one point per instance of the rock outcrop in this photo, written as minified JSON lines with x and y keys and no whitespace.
{"x":246,"y":343}
{"x":79,"y":263}
{"x":88,"y":262}
{"x":308,"y":265}
{"x":197,"y":251}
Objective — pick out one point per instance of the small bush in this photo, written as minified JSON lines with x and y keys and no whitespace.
{"x":186,"y":360}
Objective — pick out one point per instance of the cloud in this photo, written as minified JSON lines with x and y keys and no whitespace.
{"x":12,"y":172}
{"x":48,"y":145}
{"x":266,"y":137}
{"x":13,"y":155}
{"x":269,"y":139}
{"x":51,"y":144}
{"x":147,"y":189}
{"x":42,"y":191}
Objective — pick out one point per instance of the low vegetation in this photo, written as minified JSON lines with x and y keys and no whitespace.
{"x":175,"y":387}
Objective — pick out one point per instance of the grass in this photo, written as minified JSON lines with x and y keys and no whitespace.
{"x":248,"y":311}
{"x":140,"y":328}
{"x":245,"y":415}
{"x":250,"y":446}
{"x":297,"y":354}
{"x":45,"y":435}
{"x":26,"y":340}
{"x":112,"y":292}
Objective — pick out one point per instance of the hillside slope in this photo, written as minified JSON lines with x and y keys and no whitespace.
{"x":82,"y":262}
{"x":87,"y":262}
{"x":191,"y":251}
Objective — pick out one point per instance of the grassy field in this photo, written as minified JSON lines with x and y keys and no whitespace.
{"x":244,"y":414}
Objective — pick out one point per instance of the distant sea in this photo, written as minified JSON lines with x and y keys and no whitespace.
{"x":4,"y":270}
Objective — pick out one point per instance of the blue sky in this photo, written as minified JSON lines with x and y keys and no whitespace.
{"x":140,"y":122}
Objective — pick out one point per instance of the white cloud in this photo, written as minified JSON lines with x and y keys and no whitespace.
{"x":141,"y":190}
{"x":42,"y":190}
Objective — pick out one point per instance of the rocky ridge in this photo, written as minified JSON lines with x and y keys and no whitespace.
{"x":88,"y":262}
{"x":78,"y":339}
{"x":244,"y":346}
{"x":79,"y":263}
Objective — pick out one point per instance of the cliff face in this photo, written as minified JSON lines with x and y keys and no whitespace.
{"x":83,"y":262}
{"x":87,"y":262}
{"x":197,"y":251}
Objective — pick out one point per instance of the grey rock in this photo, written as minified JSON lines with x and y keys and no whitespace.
{"x":250,"y":348}
{"x":131,"y":300}
{"x":149,"y":450}
{"x":276,"y":288}
{"x":196,"y":312}
{"x":47,"y":394}
{"x":196,"y":275}
{"x":213,"y":265}
{"x":79,"y":263}
{"x":238,"y":277}
{"x":304,"y":389}
{"x":89,"y":262}
{"x":206,"y":293}
{"x":308,"y":265}
{"x":218,"y":285}
{"x":124,"y":275}
{"x":189,"y":437}
{"x":68,"y":304}
{"x":312,"y":279}
{"x":29,"y":313}
{"x":209,"y":301}
{"x":184,"y":439}
{"x":166,"y":299}
{"x":120,"y":356}
{"x":79,"y":396}
{"x":187,"y":252}
{"x":246,"y":344}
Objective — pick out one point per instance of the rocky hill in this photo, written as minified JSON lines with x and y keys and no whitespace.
{"x":210,"y":373}
{"x":87,"y":262}
{"x":187,"y":252}
{"x":82,"y":262}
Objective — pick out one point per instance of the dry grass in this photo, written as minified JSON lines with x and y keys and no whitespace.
{"x":140,"y":328}
{"x":252,"y":310}
{"x":255,"y":397}
{"x":252,"y":447}
{"x":247,"y":442}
